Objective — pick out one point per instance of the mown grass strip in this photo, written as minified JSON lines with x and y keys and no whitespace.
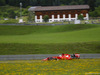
{"x":86,"y":35}
{"x":28,"y":29}
{"x":17,"y":48}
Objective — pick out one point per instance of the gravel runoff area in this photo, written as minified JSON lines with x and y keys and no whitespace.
{"x":41,"y":56}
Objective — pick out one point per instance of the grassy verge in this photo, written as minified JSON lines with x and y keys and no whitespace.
{"x":63,"y":67}
{"x":49,"y":39}
{"x":86,"y":47}
{"x":24,"y":30}
{"x":57,"y":34}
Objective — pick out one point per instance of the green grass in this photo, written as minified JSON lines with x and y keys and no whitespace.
{"x":88,"y":47}
{"x":24,"y":30}
{"x":61,"y":37}
{"x":83,"y":38}
{"x":61,"y":67}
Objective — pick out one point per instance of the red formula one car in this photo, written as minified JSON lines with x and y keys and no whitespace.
{"x":63,"y":57}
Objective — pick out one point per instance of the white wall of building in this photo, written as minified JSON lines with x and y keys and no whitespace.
{"x":60,"y":19}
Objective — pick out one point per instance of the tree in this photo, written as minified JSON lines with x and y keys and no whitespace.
{"x":2,"y":2}
{"x":5,"y":14}
{"x":85,"y":1}
{"x":95,"y":13}
{"x":80,"y":2}
{"x":91,"y":4}
{"x":56,"y":2}
{"x":12,"y":14}
{"x":7,"y":1}
{"x":97,"y":3}
{"x":74,"y":3}
{"x":12,"y":2}
{"x":81,"y":17}
{"x":31,"y":17}
{"x":46,"y":18}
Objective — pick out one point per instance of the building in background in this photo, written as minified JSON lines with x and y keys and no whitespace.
{"x":60,"y":13}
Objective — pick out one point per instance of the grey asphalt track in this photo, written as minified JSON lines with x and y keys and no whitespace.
{"x":41,"y":56}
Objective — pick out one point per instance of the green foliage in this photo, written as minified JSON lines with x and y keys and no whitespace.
{"x":91,"y":3}
{"x":2,"y":21}
{"x":31,"y":17}
{"x":11,"y":12}
{"x":81,"y":2}
{"x":46,"y":18}
{"x":74,"y":3}
{"x":10,"y":21}
{"x":26,"y":3}
{"x":97,"y":3}
{"x":95,"y":13}
{"x":81,"y":17}
{"x":2,"y":2}
{"x":25,"y":12}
